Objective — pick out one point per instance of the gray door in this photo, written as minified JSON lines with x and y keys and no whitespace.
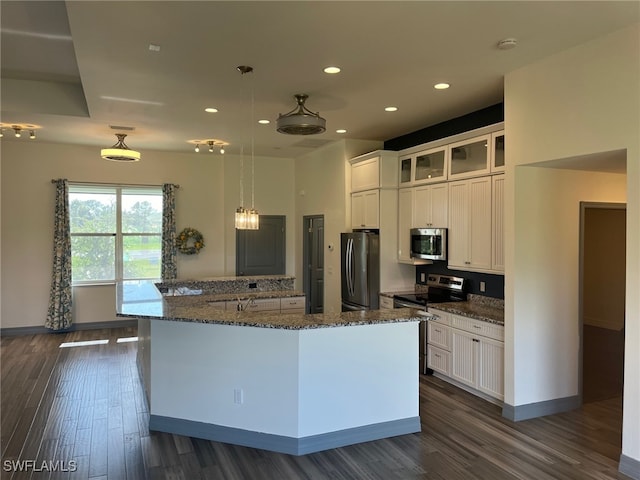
{"x":262,"y":251}
{"x":313,"y":258}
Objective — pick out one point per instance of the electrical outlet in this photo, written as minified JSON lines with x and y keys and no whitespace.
{"x":238,"y":396}
{"x":423,"y":277}
{"x":482,"y":286}
{"x":253,"y":285}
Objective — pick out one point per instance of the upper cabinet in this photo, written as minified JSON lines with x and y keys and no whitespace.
{"x":469,"y":158}
{"x":424,"y":167}
{"x":374,"y":170}
{"x":497,"y":151}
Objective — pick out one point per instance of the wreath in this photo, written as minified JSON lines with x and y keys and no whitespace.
{"x":189,"y":241}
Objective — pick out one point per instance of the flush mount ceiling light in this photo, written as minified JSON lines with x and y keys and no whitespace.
{"x":301,"y":120}
{"x":120,"y":152}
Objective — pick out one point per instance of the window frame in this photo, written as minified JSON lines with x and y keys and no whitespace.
{"x":156,"y":191}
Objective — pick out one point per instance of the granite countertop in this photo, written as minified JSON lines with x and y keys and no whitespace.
{"x":486,"y":309}
{"x":230,"y":297}
{"x":141,"y":299}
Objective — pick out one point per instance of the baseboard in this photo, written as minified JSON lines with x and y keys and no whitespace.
{"x":540,"y":409}
{"x":630,"y":467}
{"x":11,"y":332}
{"x":281,"y":443}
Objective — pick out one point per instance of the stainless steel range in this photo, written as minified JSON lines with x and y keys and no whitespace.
{"x":440,"y":289}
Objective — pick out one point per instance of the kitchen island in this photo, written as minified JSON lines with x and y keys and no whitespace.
{"x":285,"y":382}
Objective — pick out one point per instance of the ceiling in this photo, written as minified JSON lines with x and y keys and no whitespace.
{"x":73,"y":69}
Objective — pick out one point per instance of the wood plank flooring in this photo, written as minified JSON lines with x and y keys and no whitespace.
{"x":85,"y":405}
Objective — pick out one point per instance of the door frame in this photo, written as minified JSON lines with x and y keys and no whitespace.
{"x":307,"y":221}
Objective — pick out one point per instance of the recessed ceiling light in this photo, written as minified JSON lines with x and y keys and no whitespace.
{"x":211,"y":110}
{"x":390,"y":109}
{"x":154,"y":48}
{"x":332,"y":70}
{"x":264,"y":122}
{"x":341,"y":130}
{"x":441,"y":86}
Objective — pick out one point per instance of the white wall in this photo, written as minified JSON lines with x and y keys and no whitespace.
{"x":207,"y":183}
{"x":320,"y":182}
{"x":581,"y":101}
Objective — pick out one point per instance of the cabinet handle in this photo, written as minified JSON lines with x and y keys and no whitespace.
{"x":436,"y":355}
{"x":476,"y":326}
{"x":476,"y":340}
{"x":437,"y":331}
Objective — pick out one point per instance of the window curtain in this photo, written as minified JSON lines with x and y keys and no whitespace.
{"x":169,"y":269}
{"x":59,"y":312}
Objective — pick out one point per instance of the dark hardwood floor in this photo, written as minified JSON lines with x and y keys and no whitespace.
{"x":84,"y":407}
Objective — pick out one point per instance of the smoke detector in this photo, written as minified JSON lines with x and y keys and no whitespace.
{"x":300,"y":120}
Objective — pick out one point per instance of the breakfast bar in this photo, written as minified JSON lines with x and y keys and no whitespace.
{"x":286,"y":382}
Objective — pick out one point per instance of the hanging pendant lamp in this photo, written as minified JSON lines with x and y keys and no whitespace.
{"x":120,"y":152}
{"x":301,"y":120}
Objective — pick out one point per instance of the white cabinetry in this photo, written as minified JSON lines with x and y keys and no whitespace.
{"x":425,"y":166}
{"x":365,"y":209}
{"x":385,"y":302}
{"x":497,"y":222}
{"x":293,"y":304}
{"x":468,"y":352}
{"x":374,"y":170}
{"x":470,"y":224}
{"x":420,"y":207}
{"x":431,"y":206}
{"x":497,"y":151}
{"x":470,"y":157}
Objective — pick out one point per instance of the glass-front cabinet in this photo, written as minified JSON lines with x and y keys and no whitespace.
{"x":470,"y":157}
{"x":497,"y":151}
{"x":424,"y":167}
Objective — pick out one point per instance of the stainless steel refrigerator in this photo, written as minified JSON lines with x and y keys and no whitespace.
{"x":360,"y":271}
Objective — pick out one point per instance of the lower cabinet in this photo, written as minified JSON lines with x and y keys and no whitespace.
{"x":470,"y":352}
{"x":284,"y":305}
{"x":385,"y":302}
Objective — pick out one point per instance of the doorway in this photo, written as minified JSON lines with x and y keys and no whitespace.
{"x":313,"y":262}
{"x":262,"y":251}
{"x":602,"y":284}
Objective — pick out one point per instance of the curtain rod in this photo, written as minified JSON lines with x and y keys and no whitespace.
{"x":112,"y":184}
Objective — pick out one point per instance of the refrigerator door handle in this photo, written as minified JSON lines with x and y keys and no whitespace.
{"x":349,"y":269}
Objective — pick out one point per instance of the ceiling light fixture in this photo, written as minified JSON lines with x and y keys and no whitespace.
{"x":247,"y":219}
{"x":210,"y":142}
{"x":32,"y":134}
{"x":507,"y":44}
{"x":264,"y":121}
{"x":120,"y":152}
{"x":390,"y":109}
{"x":222,"y":150}
{"x":332,"y":70}
{"x":441,"y":86}
{"x":301,"y":120}
{"x":17,"y":130}
{"x":341,"y":130}
{"x":197,"y":149}
{"x":211,"y":110}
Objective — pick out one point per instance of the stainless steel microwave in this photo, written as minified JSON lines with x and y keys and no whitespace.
{"x":429,"y":243}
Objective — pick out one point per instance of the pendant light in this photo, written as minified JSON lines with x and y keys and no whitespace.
{"x":120,"y":152}
{"x":247,"y":219}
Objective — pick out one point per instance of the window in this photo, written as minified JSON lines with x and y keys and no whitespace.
{"x":116,"y":233}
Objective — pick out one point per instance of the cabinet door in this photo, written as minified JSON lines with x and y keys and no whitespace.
{"x":480,"y":223}
{"x":439,"y":335}
{"x":469,"y":157}
{"x":357,"y":210}
{"x":422,"y":207}
{"x":431,"y":166}
{"x":463,"y":357}
{"x":440,"y":205}
{"x":439,"y":360}
{"x":406,"y":169}
{"x":497,"y":151}
{"x":372,"y":209}
{"x":405,"y":222}
{"x":365,"y":175}
{"x":491,"y":367}
{"x":458,"y":224}
{"x":292,"y":303}
{"x":497,"y":240}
